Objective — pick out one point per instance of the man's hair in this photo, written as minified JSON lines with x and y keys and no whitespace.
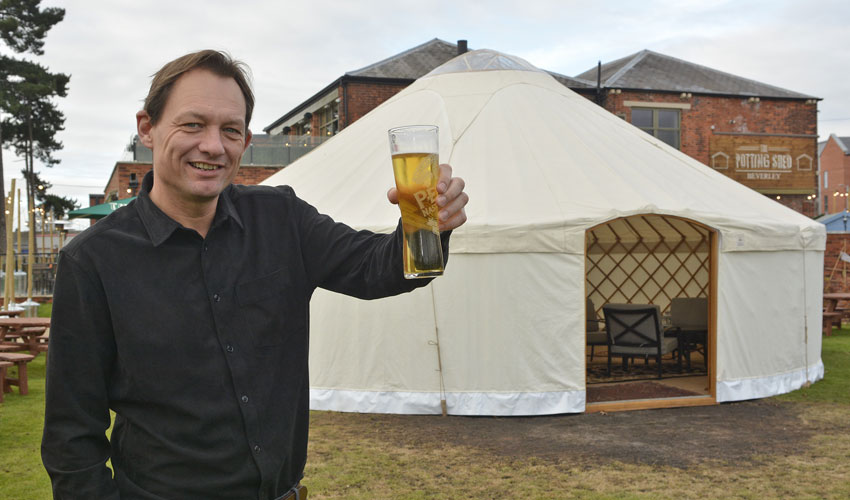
{"x":218,"y":62}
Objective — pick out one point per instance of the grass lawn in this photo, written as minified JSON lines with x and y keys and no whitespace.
{"x":22,"y":477}
{"x":346,"y":462}
{"x":835,"y":386}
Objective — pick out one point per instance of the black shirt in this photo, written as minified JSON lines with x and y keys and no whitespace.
{"x":199,"y":345}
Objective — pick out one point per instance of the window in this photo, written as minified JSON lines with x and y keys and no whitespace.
{"x":328,"y":120}
{"x":301,"y":128}
{"x":825,"y":180}
{"x":826,"y":204}
{"x":661,"y":123}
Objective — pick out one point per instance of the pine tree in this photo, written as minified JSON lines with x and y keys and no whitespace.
{"x":26,"y":89}
{"x":34,"y":119}
{"x":59,"y":205}
{"x":23,"y":26}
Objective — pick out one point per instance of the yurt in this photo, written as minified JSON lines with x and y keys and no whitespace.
{"x":568,"y":203}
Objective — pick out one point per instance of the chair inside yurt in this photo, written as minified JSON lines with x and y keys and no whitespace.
{"x":634,"y":267}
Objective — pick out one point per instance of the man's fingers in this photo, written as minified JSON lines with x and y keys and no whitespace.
{"x":453,"y":206}
{"x":450,"y":198}
{"x":444,"y":182}
{"x":392,"y":195}
{"x":454,"y":221}
{"x":452,"y":192}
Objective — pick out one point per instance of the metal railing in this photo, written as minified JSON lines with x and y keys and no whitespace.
{"x":280,"y":149}
{"x":43,"y":274}
{"x":267,"y":150}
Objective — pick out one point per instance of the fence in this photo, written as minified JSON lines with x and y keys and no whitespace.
{"x":43,"y":274}
{"x":280,"y":149}
{"x":264,"y":149}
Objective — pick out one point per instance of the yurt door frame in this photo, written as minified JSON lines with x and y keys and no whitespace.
{"x":650,"y":259}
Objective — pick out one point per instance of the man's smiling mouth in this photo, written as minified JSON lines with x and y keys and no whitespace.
{"x":203,"y":166}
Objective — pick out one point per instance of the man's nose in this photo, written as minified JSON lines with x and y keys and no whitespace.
{"x":211,"y":142}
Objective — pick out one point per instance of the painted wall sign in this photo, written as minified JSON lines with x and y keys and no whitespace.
{"x":767,"y":163}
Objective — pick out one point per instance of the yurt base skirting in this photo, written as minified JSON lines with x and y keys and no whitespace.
{"x":458,"y":403}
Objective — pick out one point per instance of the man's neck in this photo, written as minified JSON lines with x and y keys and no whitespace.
{"x":197,"y":216}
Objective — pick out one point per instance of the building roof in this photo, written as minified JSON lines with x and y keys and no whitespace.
{"x":648,"y":70}
{"x":573,"y":83}
{"x":835,"y":223}
{"x":418,"y":61}
{"x":408,"y":65}
{"x":843,"y":143}
{"x":412,"y":63}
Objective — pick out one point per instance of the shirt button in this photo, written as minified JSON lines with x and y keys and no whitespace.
{"x":244,"y":399}
{"x":257,"y":448}
{"x":206,"y":247}
{"x":217,"y":297}
{"x":229,"y":348}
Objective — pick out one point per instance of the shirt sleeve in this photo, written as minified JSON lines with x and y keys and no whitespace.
{"x":361,"y":264}
{"x":74,"y":446}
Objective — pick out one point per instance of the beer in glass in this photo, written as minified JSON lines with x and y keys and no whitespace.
{"x":416,"y":167}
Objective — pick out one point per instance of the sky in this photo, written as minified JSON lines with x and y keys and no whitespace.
{"x":294,"y":49}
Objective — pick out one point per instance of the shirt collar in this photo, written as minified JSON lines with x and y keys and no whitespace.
{"x":160,"y":226}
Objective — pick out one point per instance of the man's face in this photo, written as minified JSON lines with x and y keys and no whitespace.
{"x":199,"y":139}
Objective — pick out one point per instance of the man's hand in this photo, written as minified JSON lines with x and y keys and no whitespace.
{"x":450,"y":198}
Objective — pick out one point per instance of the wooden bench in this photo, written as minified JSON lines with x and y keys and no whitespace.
{"x":829,"y":318}
{"x":3,"y":366}
{"x":845,"y":314}
{"x":20,"y":360}
{"x":41,"y":343}
{"x":12,"y":347}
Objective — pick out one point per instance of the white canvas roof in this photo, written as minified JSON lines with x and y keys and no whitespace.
{"x":543,"y":165}
{"x":538,"y":156}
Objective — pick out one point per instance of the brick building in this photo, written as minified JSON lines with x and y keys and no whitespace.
{"x":834,"y":159}
{"x":352,"y":95}
{"x":760,"y":135}
{"x":836,"y":271}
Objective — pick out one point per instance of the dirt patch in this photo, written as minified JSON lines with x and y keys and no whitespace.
{"x":737,"y":433}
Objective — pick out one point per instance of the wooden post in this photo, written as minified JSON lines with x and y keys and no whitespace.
{"x":9,"y":292}
{"x":31,"y":245}
{"x":52,"y":235}
{"x":20,"y":248}
{"x":43,"y":231}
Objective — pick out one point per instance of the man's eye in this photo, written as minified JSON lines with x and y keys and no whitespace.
{"x":231,"y":130}
{"x":192,"y":125}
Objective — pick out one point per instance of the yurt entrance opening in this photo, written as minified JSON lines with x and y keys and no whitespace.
{"x":650,"y":287}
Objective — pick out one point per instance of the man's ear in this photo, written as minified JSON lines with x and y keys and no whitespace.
{"x":248,"y":137}
{"x":144,"y":128}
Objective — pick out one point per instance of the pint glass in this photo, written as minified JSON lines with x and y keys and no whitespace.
{"x":416,"y":167}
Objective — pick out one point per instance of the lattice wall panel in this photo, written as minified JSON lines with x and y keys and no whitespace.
{"x":647,"y":259}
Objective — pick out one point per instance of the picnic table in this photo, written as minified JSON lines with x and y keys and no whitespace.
{"x":831,"y":311}
{"x":20,"y":334}
{"x":23,"y":334}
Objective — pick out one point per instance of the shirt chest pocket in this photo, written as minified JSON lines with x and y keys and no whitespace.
{"x":265,"y":307}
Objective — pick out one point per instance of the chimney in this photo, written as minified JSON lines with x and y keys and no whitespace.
{"x":461,"y":47}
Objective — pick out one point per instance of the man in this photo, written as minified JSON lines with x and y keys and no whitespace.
{"x":186,"y":312}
